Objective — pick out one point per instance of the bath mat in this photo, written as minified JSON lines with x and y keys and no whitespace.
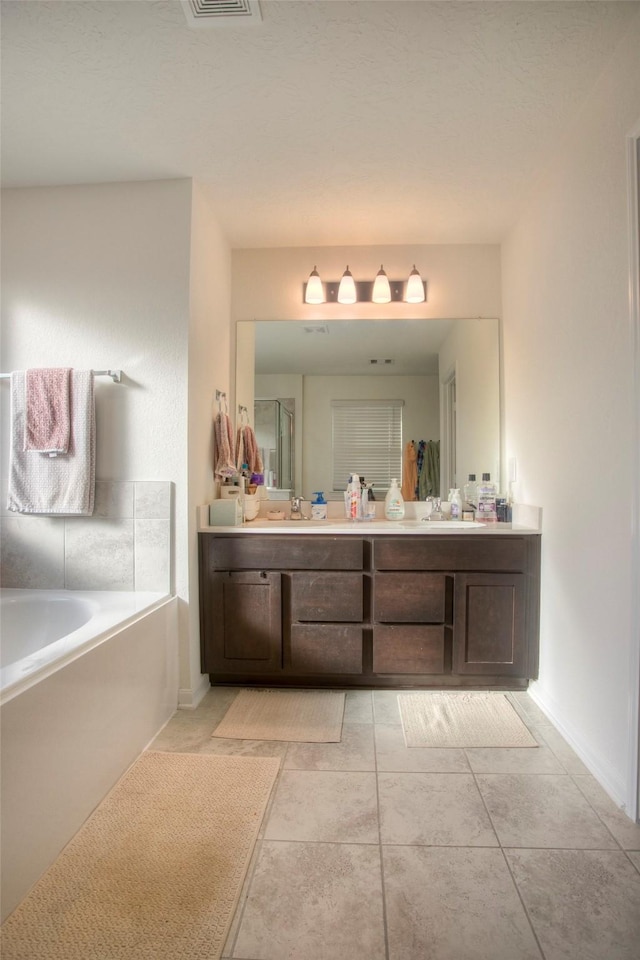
{"x":156,"y":872}
{"x":460,"y":719}
{"x":302,"y":716}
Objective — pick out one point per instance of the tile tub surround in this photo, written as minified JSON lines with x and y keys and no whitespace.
{"x":374,"y":851}
{"x":125,"y":545}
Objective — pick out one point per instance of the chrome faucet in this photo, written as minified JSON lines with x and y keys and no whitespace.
{"x":296,"y":508}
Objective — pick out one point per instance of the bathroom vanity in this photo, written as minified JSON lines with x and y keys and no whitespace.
{"x":369,"y":605}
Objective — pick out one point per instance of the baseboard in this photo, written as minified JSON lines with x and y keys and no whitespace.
{"x":188,"y":698}
{"x":609,"y":779}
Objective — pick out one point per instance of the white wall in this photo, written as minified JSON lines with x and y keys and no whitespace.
{"x":209,"y":370}
{"x":135,"y":276}
{"x":472,"y":351}
{"x":463,"y":280}
{"x":420,"y":417}
{"x":570,"y":417}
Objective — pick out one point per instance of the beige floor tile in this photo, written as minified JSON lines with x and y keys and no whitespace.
{"x":385,"y":706}
{"x":583,"y":904}
{"x":243,"y":748}
{"x":393,"y":755}
{"x":184,"y":733}
{"x":313,"y":901}
{"x":541,"y":810}
{"x":216,"y":702}
{"x":439,"y":809}
{"x":635,"y":859}
{"x":453,"y":904}
{"x":324,"y":806}
{"x":626,"y":832}
{"x":354,"y":752}
{"x":513,"y":760}
{"x":526,"y":706}
{"x":358,"y":707}
{"x":565,"y":754}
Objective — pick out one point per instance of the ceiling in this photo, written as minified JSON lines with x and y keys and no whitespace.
{"x":347,"y":347}
{"x":325,"y":122}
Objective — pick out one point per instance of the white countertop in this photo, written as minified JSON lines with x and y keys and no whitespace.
{"x":371,"y":527}
{"x":526,"y":520}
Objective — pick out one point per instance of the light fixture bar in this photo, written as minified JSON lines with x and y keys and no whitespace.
{"x":364,"y":290}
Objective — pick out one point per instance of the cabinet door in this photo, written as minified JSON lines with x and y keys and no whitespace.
{"x":489,"y":627}
{"x":245,"y":623}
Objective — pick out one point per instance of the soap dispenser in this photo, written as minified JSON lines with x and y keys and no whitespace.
{"x":318,"y":506}
{"x":394,"y":502}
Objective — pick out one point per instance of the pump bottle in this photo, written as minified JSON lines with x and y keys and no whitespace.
{"x":394,"y":502}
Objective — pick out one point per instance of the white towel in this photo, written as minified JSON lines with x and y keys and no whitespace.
{"x":54,"y":485}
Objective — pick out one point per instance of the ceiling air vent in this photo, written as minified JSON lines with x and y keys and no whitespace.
{"x":218,"y":13}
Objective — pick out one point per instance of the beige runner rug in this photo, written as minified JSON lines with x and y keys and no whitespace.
{"x":157,"y":870}
{"x":461,"y":719}
{"x":303,"y":716}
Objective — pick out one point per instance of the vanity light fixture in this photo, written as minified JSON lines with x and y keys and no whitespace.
{"x":314,"y":292}
{"x":416,"y":290}
{"x":347,"y":289}
{"x":380,"y":290}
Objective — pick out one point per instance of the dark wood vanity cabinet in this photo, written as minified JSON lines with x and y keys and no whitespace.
{"x":370,"y":611}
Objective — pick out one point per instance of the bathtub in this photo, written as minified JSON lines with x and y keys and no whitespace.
{"x":41,"y":630}
{"x":89,"y":679}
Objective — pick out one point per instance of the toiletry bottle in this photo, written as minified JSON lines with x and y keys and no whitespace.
{"x":487,"y":493}
{"x":470,"y":491}
{"x":393,"y":502}
{"x":456,"y":503}
{"x":318,"y":506}
{"x":354,"y":498}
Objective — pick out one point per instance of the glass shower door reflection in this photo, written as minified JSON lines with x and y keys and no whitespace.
{"x":274,"y":423}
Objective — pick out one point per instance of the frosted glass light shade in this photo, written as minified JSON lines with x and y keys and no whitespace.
{"x":381,"y":289}
{"x":314,"y":292}
{"x":347,"y":289}
{"x":415,"y":287}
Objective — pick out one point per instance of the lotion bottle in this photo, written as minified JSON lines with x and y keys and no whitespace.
{"x":394,"y":502}
{"x":487,"y":493}
{"x":456,"y":503}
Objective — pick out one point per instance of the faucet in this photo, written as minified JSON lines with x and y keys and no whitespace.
{"x":296,"y":508}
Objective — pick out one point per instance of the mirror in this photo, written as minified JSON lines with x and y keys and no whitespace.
{"x":447,"y":372}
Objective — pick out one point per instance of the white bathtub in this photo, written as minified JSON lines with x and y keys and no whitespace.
{"x":75,"y":712}
{"x":41,"y":630}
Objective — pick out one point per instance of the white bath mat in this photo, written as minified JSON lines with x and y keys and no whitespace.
{"x":303,"y":716}
{"x":461,"y":719}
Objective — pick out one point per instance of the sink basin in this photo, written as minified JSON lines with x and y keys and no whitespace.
{"x":442,"y":524}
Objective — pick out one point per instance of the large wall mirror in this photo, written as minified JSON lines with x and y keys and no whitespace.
{"x":446,"y":373}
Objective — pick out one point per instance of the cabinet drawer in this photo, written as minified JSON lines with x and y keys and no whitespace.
{"x":408,"y":649}
{"x":294,"y":552}
{"x":316,"y":648}
{"x":411,"y":598}
{"x":474,"y":552}
{"x":326,"y":597}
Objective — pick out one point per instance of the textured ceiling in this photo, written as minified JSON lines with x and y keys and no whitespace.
{"x":325,"y":123}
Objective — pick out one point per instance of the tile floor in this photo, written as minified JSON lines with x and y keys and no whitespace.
{"x":372,"y":851}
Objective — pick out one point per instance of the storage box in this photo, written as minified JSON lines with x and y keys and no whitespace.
{"x":225,"y":513}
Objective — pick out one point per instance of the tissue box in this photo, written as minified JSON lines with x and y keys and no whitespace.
{"x":225,"y":513}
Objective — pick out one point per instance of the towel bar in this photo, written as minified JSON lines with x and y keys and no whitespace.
{"x":116,"y":375}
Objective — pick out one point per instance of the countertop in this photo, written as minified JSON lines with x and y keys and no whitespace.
{"x":368,"y":528}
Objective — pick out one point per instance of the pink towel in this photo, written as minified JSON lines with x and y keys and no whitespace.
{"x":48,"y":421}
{"x":247,"y":450}
{"x":223,"y":465}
